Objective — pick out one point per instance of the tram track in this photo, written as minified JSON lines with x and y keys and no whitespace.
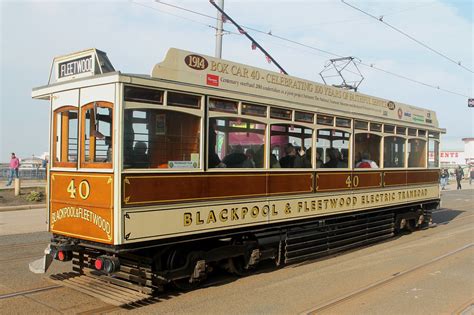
{"x":28,"y":292}
{"x":366,"y":289}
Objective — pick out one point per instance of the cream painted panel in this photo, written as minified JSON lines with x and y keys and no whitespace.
{"x":98,"y":93}
{"x":66,"y":98}
{"x":186,"y":220}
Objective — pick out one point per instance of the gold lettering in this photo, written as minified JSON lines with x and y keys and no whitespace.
{"x":254,"y":212}
{"x":244,"y":212}
{"x":223,"y":215}
{"x":234,"y":215}
{"x":199,"y":221}
{"x":211,"y":217}
{"x":265,"y":210}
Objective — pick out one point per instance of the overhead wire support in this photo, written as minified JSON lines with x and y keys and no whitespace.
{"x":380,"y":19}
{"x":243,"y":32}
{"x":368,"y":65}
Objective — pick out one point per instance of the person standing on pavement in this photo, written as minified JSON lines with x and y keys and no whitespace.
{"x":13,"y":169}
{"x":459,"y":175}
{"x":471,"y":174}
{"x":444,"y":178}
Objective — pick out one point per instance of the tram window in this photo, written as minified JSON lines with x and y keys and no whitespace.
{"x":325,"y":120}
{"x":65,"y":137}
{"x":363,"y":125}
{"x":394,"y":152}
{"x":343,"y":122}
{"x":155,"y":138}
{"x":332,"y":148}
{"x":97,"y":134}
{"x":254,"y":110}
{"x":421,"y":133}
{"x":367,"y":150}
{"x":236,"y":143}
{"x":304,"y":117}
{"x":144,"y":95}
{"x":223,"y":105}
{"x":280,"y":113}
{"x":183,"y":100}
{"x":434,"y":135}
{"x":433,"y":153}
{"x":375,"y":127}
{"x":389,"y":129}
{"x":401,"y":130}
{"x":291,"y":146}
{"x":412,"y":132}
{"x":416,"y":153}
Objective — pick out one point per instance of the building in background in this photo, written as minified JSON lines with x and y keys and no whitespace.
{"x":468,"y":150}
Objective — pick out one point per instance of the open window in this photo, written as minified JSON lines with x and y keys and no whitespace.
{"x":236,"y":143}
{"x":65,"y":129}
{"x":367,"y":150}
{"x":96,"y":135}
{"x":156,"y":138}
{"x":332,"y":148}
{"x":291,"y":146}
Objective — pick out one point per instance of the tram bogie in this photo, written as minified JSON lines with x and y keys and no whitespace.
{"x":162,"y":179}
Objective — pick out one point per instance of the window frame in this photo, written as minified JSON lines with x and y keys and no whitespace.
{"x":268,"y":150}
{"x":127,"y":105}
{"x":350,"y":141}
{"x":95,"y":165}
{"x":405,"y":153}
{"x":426,"y":153}
{"x":55,"y":135}
{"x":381,"y":147}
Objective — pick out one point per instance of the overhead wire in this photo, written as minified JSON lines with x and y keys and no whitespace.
{"x":380,"y":19}
{"x":370,"y":66}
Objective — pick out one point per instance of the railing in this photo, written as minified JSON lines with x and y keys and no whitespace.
{"x":25,"y":173}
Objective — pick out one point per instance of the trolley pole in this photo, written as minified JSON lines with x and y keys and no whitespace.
{"x":219,"y":30}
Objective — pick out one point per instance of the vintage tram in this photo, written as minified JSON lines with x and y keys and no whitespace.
{"x":157,"y":179}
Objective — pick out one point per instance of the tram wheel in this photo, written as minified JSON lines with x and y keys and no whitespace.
{"x":239,"y":265}
{"x":177,"y":258}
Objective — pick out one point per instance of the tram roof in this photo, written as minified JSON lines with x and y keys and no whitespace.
{"x":198,"y":70}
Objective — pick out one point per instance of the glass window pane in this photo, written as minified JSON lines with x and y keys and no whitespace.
{"x":65,"y":139}
{"x":183,"y":100}
{"x":332,"y":149}
{"x":223,"y":105}
{"x":375,"y":127}
{"x":325,"y":120}
{"x":416,"y":153}
{"x":363,"y":125}
{"x":236,"y":143}
{"x":155,"y":138}
{"x":421,"y":133}
{"x":290,"y":146}
{"x":367,"y":150}
{"x":343,"y":122}
{"x":98,"y":135}
{"x":254,"y":110}
{"x":304,"y":117}
{"x":412,"y":132}
{"x":389,"y":129}
{"x":144,"y":95}
{"x":401,"y":131}
{"x":280,"y":113}
{"x":394,"y":152}
{"x":433,"y":153}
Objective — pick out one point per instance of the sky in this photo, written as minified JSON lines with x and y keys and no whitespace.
{"x":136,"y":35}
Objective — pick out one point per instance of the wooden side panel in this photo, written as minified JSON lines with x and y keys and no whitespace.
{"x":422,"y":177}
{"x":332,"y":181}
{"x":395,"y":178}
{"x":82,"y":206}
{"x":148,"y":189}
{"x":363,"y":180}
{"x":290,"y":183}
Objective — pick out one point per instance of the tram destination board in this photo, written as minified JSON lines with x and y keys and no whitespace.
{"x":74,"y":67}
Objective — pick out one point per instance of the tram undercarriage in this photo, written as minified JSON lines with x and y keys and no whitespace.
{"x":150,"y":267}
